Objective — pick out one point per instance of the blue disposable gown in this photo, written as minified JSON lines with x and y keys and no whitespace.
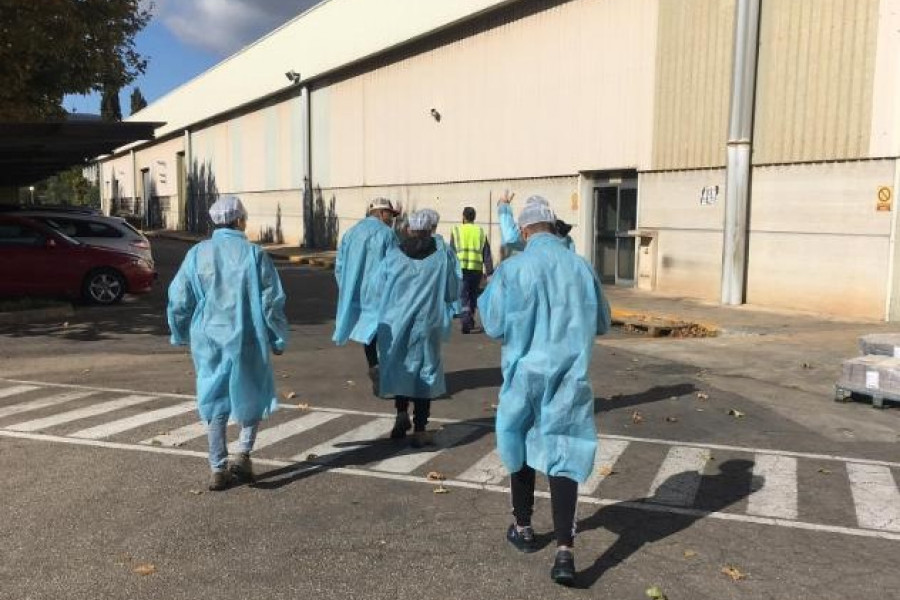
{"x":511,"y":237}
{"x":546,"y":305}
{"x":362,"y":249}
{"x":411,"y":300}
{"x":226,"y":302}
{"x":455,"y":307}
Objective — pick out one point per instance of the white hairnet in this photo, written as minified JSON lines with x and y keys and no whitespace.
{"x":535,"y":212}
{"x":226,"y":210}
{"x":537,"y":200}
{"x":433,"y":217}
{"x":419,"y":221}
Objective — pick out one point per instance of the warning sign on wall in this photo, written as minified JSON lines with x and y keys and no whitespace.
{"x":885,"y":198}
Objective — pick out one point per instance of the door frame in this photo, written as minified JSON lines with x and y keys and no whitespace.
{"x":588,"y":180}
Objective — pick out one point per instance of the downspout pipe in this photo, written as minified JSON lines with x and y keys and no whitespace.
{"x":187,"y":184}
{"x":740,"y":150}
{"x":306,"y":145}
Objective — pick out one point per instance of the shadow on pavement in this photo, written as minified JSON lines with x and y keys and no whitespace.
{"x":363,"y":453}
{"x":473,"y":379}
{"x":654,"y":394}
{"x":637,"y":527}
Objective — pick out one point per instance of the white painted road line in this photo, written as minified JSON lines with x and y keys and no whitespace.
{"x":347,"y":442}
{"x":272,"y":435}
{"x":16,"y":390}
{"x":608,"y":452}
{"x":678,"y":478}
{"x":638,"y":506}
{"x":875,"y":497}
{"x":178,"y":437}
{"x":15,"y":409}
{"x":410,"y":459}
{"x":80,"y":413}
{"x":487,"y":471}
{"x":129,"y":423}
{"x":774,"y":491}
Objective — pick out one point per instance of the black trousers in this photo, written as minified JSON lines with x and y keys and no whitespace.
{"x":471,"y":282}
{"x":563,"y":500}
{"x":422,"y":406}
{"x":372,"y":352}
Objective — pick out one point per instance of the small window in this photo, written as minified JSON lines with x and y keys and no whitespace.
{"x":97,"y":230}
{"x":13,"y":234}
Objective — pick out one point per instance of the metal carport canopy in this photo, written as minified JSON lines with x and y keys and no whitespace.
{"x":30,"y":152}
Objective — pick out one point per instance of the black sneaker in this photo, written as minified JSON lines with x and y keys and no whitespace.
{"x":242,"y":468}
{"x":563,"y":571}
{"x":523,"y":539}
{"x":401,"y":425}
{"x":220,"y":480}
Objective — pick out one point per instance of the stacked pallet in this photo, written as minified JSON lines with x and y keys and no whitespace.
{"x":875,"y":374}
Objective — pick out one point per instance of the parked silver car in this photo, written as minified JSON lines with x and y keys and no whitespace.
{"x":95,"y":230}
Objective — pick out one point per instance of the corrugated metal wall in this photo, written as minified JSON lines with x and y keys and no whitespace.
{"x":816,"y":70}
{"x":693,"y":79}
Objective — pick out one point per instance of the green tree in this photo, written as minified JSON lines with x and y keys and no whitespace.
{"x":68,"y":188}
{"x":52,"y":48}
{"x":137,"y":100}
{"x":110,"y":109}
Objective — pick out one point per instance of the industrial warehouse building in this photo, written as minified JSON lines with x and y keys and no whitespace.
{"x":720,"y":149}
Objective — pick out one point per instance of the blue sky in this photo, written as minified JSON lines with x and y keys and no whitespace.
{"x":186,"y":37}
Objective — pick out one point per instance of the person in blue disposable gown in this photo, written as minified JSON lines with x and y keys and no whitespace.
{"x":546,"y":305}
{"x":410,"y":299}
{"x":362,"y":249}
{"x":226,"y":301}
{"x":511,"y":240}
{"x":434,"y":219}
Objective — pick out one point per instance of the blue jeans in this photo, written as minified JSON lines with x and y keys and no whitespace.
{"x":216,"y":432}
{"x":471,"y":282}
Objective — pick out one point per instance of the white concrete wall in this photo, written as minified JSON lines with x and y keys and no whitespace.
{"x":689,"y":241}
{"x":816,"y":242}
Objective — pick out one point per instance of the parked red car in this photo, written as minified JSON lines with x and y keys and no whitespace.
{"x":36,"y":260}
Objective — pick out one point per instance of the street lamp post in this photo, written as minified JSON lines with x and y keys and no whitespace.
{"x":31,"y":191}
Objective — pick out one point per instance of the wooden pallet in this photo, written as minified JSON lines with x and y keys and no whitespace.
{"x":848,"y":393}
{"x":660,"y":327}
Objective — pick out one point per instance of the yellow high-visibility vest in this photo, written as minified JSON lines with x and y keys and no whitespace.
{"x":469,"y":241}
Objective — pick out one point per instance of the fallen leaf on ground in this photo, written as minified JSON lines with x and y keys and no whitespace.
{"x":671,"y":419}
{"x":435,"y":476}
{"x":807,"y":365}
{"x":637,"y":418}
{"x":735,"y":413}
{"x":312,"y":456}
{"x":197,"y":492}
{"x":733,"y":572}
{"x":351,"y":383}
{"x":689,"y":554}
{"x":290,"y":395}
{"x":654,"y":593}
{"x":155,"y":443}
{"x":144,"y":569}
{"x":634,"y":360}
{"x":303,"y":406}
{"x":441,"y":490}
{"x":86,"y":371}
{"x":702,"y":396}
{"x":825,"y":471}
{"x":699,"y":410}
{"x":606,"y":471}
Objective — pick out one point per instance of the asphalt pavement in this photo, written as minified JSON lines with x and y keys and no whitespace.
{"x":725,"y":469}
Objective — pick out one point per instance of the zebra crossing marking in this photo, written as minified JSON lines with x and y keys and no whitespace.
{"x":272,"y":435}
{"x":16,"y":390}
{"x":80,"y":413}
{"x":608,"y":452}
{"x":487,"y":471}
{"x":777,"y":494}
{"x":16,"y":409}
{"x":349,"y":441}
{"x":678,"y":479}
{"x":410,"y":459}
{"x":177,"y":437}
{"x":129,"y":423}
{"x":875,"y":497}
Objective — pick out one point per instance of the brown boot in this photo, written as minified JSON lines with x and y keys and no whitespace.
{"x":220,"y":480}
{"x":242,"y":468}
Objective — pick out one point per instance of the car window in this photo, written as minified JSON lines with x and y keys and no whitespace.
{"x":65,"y":226}
{"x":14,"y":234}
{"x":79,"y":228}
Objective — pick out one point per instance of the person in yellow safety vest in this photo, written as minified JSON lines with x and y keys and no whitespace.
{"x":474,"y":253}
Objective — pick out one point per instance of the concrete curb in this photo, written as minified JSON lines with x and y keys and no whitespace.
{"x":22,"y":317}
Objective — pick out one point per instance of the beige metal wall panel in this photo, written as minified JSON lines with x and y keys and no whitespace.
{"x":693,"y":83}
{"x":830,"y":274}
{"x":690,"y":263}
{"x":332,"y":34}
{"x":121,"y":170}
{"x":275,"y":216}
{"x":885,"y":139}
{"x":815,"y":82}
{"x":823,"y":198}
{"x":554,"y":92}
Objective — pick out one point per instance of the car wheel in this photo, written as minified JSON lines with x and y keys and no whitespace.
{"x":104,"y":286}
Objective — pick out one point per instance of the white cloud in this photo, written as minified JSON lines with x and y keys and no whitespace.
{"x":225,"y":26}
